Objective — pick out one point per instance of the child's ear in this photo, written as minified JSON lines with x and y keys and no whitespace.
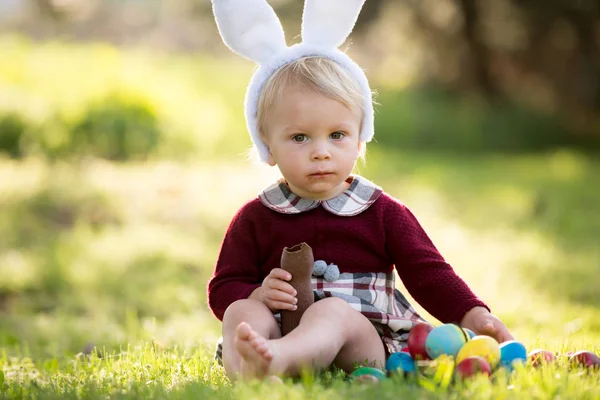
{"x":270,"y":159}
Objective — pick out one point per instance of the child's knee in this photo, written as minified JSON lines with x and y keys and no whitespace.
{"x":334,"y":306}
{"x":237,"y":309}
{"x":242,"y":310}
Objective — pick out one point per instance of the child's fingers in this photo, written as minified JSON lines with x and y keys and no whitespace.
{"x":489,"y":327}
{"x":280,"y":305}
{"x":486,"y":328}
{"x":282,"y":286}
{"x":280,"y":274}
{"x":504,"y":335}
{"x":278,"y":295}
{"x":496,"y":330}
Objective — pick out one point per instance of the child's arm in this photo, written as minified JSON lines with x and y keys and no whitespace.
{"x":430,"y":279}
{"x":237,"y":272}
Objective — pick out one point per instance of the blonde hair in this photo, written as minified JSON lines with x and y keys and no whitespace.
{"x":316,"y":73}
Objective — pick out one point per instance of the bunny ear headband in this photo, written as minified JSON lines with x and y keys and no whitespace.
{"x":251,"y":28}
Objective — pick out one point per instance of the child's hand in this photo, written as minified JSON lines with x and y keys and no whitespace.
{"x":482,"y":322}
{"x":275,"y":292}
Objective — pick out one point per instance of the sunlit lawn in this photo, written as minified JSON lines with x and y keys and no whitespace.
{"x":118,"y":256}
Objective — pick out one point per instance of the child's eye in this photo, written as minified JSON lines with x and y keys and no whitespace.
{"x":299,"y":138}
{"x":337,"y":135}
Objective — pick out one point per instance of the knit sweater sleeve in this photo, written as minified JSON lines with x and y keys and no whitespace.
{"x":237,"y":271}
{"x":430,"y":280}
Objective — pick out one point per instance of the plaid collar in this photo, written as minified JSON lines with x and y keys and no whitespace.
{"x":354,"y":200}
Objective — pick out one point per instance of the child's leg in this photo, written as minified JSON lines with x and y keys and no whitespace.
{"x":263,"y":322}
{"x":330,"y":331}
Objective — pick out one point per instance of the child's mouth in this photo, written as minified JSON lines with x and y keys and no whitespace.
{"x":321,"y":174}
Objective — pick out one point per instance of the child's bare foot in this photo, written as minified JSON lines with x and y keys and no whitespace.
{"x":256,"y":354}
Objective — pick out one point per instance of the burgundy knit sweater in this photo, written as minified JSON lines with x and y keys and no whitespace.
{"x":385,"y":235}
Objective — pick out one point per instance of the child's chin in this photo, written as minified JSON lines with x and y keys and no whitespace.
{"x":322,"y":191}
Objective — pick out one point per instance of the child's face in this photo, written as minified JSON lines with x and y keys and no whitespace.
{"x":314,"y":141}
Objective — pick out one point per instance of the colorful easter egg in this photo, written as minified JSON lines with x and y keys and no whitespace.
{"x":374,"y":372}
{"x":540,"y":357}
{"x":585,"y":359}
{"x":471,"y":366}
{"x":470,"y":333}
{"x":400,"y":362}
{"x":512,"y":352}
{"x":417,"y":338}
{"x":445,"y":339}
{"x":481,"y":346}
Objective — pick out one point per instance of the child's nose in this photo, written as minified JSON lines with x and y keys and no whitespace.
{"x":321,"y":152}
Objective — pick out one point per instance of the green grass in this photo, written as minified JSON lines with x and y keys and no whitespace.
{"x":117,"y":256}
{"x":149,"y":372}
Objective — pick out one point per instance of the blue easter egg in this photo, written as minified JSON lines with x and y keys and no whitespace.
{"x":470,"y":333}
{"x":511,"y":352}
{"x":446,"y":339}
{"x":400,"y":362}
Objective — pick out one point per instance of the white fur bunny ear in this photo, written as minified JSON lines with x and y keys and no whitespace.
{"x":250,"y":28}
{"x":328,"y":23}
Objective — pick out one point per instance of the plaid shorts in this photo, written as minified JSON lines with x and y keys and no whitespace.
{"x":373,"y":295}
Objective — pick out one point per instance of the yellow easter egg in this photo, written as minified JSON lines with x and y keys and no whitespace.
{"x":481,"y":346}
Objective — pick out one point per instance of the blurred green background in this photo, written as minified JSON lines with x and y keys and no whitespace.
{"x":123,"y":158}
